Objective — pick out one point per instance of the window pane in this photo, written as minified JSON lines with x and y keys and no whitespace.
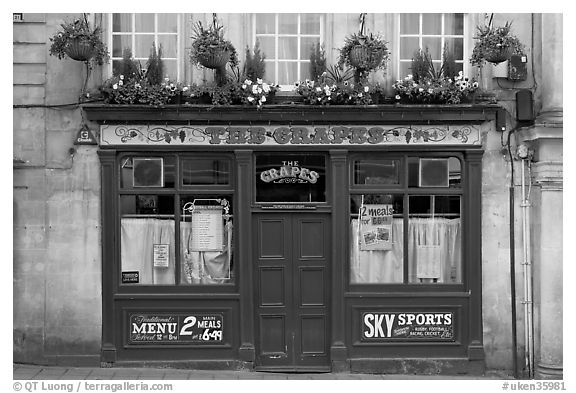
{"x":408,"y":45}
{"x":287,"y":48}
{"x":434,"y":45}
{"x":269,"y":73}
{"x":287,"y":23}
{"x":309,"y":23}
{"x":267,"y":45}
{"x":168,"y":43}
{"x":119,"y":43}
{"x":143,"y":46}
{"x":405,"y":68}
{"x":167,"y":23}
{"x":205,"y":171}
{"x":144,"y":23}
{"x":170,"y":69}
{"x":376,"y":240}
{"x":287,"y":73}
{"x":431,"y":23}
{"x":305,"y":71}
{"x":434,"y":239}
{"x":377,"y":172}
{"x":415,"y":171}
{"x":306,"y":46}
{"x":409,"y":23}
{"x":206,"y":240}
{"x":147,"y":239}
{"x":121,"y":22}
{"x":456,"y":47}
{"x":265,"y":24}
{"x":290,"y":178}
{"x":148,"y":172}
{"x":454,"y":24}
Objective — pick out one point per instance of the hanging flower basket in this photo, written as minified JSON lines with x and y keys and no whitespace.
{"x":496,"y":56}
{"x":365,"y":58}
{"x":214,"y":60}
{"x":79,"y":49}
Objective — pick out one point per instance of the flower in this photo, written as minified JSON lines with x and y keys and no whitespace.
{"x":495,"y":44}
{"x":79,"y":29}
{"x":330,"y":93}
{"x":439,"y":90}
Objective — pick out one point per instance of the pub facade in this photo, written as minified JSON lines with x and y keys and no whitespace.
{"x":381,"y":238}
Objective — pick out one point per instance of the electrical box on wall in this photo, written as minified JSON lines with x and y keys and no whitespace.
{"x":518,"y":68}
{"x":524,"y":105}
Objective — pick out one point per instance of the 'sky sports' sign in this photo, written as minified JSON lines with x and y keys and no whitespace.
{"x":433,"y":326}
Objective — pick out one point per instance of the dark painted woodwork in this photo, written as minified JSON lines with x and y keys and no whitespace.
{"x":292,"y":290}
{"x":244,"y":174}
{"x":109,"y":278}
{"x":294,"y":114}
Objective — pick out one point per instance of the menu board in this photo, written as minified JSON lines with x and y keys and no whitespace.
{"x":207,"y":229}
{"x":175,"y":328}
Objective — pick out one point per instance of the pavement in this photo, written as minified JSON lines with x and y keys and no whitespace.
{"x":39,"y":372}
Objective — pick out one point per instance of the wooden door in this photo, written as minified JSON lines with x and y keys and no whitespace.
{"x":292,"y":291}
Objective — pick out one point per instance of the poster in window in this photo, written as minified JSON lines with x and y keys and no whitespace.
{"x":376,"y":227}
{"x":161,"y":255}
{"x":207,"y":229}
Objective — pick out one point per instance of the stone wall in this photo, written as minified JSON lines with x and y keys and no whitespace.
{"x":56,"y":201}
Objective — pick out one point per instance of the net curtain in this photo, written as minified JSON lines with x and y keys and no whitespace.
{"x":434,"y":253}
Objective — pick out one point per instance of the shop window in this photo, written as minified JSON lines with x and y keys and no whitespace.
{"x":406,"y":235}
{"x":290,"y":178}
{"x":432,"y":31}
{"x":206,"y":240}
{"x":169,"y":200}
{"x":376,"y":171}
{"x":138,"y":32}
{"x":376,"y":240}
{"x":286,"y":40}
{"x":434,"y":239}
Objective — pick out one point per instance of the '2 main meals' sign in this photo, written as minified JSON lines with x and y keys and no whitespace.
{"x":412,"y":326}
{"x":175,"y":328}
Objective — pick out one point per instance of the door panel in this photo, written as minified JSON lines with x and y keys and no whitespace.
{"x":292,"y":275}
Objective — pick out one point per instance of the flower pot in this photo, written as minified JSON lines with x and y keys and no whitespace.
{"x":79,"y":49}
{"x":362,"y":57}
{"x":496,"y":56}
{"x":214,"y":60}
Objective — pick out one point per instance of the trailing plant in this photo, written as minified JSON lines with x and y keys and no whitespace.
{"x":79,"y":29}
{"x":155,"y":66}
{"x":254,"y":66}
{"x":495,"y":44}
{"x":206,"y":41}
{"x":323,"y":93}
{"x":441,"y":90}
{"x":139,"y":91}
{"x":364,"y":52}
{"x":317,"y":61}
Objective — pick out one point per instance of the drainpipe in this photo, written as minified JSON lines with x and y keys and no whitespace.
{"x":525,"y":154}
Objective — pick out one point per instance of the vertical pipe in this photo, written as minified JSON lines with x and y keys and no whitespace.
{"x":513,"y":284}
{"x":528,"y":330}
